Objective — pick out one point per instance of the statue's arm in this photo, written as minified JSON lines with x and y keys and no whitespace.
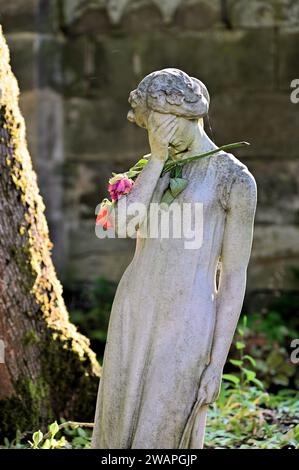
{"x":235,"y":255}
{"x":130,"y":210}
{"x":161,"y":129}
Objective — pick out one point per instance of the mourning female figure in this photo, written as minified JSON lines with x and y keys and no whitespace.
{"x":173,"y":318}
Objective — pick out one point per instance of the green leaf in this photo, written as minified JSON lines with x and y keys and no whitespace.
{"x":142,"y":162}
{"x":47,"y":444}
{"x":231,"y":378}
{"x":258,"y":383}
{"x":139,"y":165}
{"x":177,"y":185}
{"x":132,"y":173}
{"x":280,"y":379}
{"x":178,"y":171}
{"x":236,"y":363}
{"x":167,"y":197}
{"x":82,"y":432}
{"x":240,"y":345}
{"x":296,"y":432}
{"x":106,"y":202}
{"x":250,"y":374}
{"x":79,"y":442}
{"x":54,"y":428}
{"x":250,"y":359}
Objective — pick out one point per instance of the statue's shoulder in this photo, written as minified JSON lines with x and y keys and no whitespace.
{"x":229,"y":162}
{"x":233,"y":169}
{"x":234,"y":175}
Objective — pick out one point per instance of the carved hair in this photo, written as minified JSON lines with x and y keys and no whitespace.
{"x":172,"y":91}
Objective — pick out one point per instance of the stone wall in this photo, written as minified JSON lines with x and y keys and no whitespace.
{"x":77,"y":60}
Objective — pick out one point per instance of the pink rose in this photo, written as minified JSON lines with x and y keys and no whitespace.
{"x":119,"y":185}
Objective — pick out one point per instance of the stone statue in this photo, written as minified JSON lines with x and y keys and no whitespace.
{"x":176,"y":309}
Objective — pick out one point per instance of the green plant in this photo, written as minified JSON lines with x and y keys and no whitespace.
{"x":267,"y":341}
{"x":245,"y":415}
{"x":247,"y":418}
{"x":247,"y":375}
{"x":67,"y":435}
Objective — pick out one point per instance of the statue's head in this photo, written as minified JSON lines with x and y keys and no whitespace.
{"x":168,"y":91}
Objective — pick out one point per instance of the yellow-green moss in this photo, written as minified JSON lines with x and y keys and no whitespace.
{"x":68,"y":366}
{"x":24,"y":408}
{"x":31,"y":337}
{"x":46,"y":288}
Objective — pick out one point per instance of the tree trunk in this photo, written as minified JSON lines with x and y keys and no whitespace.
{"x":48,"y":369}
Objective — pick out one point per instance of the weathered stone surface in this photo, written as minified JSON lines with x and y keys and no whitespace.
{"x":288,"y":54}
{"x":274,"y":257}
{"x":139,"y":15}
{"x":86,"y":184}
{"x":278,"y":191}
{"x":19,"y":15}
{"x":167,"y":8}
{"x":43,"y":113}
{"x":79,"y":74}
{"x":100,"y":130}
{"x":23,"y":57}
{"x":114,"y":58}
{"x":49,"y":62}
{"x":29,"y":15}
{"x":275,"y":251}
{"x":85,"y":17}
{"x":128,"y":15}
{"x":197,"y":15}
{"x":266,"y":120}
{"x":36,"y":60}
{"x":70,"y":10}
{"x":262,"y":13}
{"x":230,"y":59}
{"x":276,"y":241}
{"x":48,"y":16}
{"x":29,"y":106}
{"x":50,"y":131}
{"x":145,"y":18}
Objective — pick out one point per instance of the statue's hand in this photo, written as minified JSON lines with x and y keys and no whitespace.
{"x":210,"y":383}
{"x":161,"y":129}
